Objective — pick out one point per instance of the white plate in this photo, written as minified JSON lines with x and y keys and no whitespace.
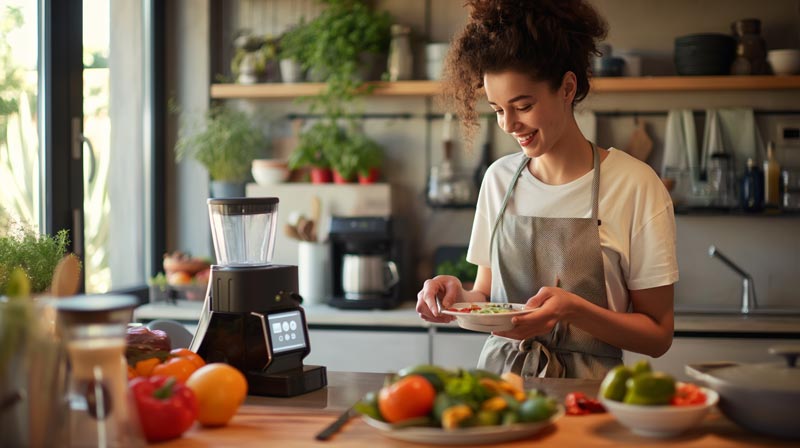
{"x":463,"y":436}
{"x":487,"y":322}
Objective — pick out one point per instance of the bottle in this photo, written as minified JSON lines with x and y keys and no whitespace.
{"x":772,"y":178}
{"x":400,"y":58}
{"x":752,"y":190}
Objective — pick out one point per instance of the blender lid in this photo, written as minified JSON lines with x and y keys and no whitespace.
{"x":243,"y":206}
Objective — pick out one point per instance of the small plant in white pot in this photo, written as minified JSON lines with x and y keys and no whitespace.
{"x":226,"y":145}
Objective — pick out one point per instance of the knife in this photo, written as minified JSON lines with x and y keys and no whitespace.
{"x":334,"y":427}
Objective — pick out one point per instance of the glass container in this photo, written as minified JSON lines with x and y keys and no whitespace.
{"x":243,"y":230}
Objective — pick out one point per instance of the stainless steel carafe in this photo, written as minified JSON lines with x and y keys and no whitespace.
{"x":364,"y":275}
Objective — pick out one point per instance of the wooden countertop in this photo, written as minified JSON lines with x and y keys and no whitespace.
{"x":293,"y":422}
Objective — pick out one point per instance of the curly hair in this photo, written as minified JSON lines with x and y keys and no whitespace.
{"x":545,"y":38}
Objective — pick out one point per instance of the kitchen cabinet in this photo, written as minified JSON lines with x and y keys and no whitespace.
{"x":691,"y":350}
{"x":367,"y":350}
{"x":454,"y":349}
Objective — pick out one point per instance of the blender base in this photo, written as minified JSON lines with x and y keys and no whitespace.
{"x":288,"y":383}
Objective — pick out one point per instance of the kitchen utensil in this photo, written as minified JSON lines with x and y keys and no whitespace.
{"x":305,"y":228}
{"x":485,"y":160}
{"x":251,"y":247}
{"x":367,"y":274}
{"x":760,"y":397}
{"x":291,"y":232}
{"x":337,"y":424}
{"x":440,"y":183}
{"x":640,"y":145}
{"x":660,"y":421}
{"x":66,"y":277}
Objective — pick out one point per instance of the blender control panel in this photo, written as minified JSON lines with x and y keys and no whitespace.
{"x":286,"y":331}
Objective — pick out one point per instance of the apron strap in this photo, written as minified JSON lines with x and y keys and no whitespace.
{"x":595,"y":184}
{"x":509,"y":192}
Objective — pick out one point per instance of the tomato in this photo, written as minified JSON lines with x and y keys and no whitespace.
{"x":145,"y":367}
{"x":180,"y":368}
{"x":410,"y":397}
{"x":220,"y":390}
{"x":688,"y":394}
{"x":188,"y":354}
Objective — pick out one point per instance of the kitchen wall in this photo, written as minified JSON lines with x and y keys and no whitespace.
{"x":767,"y":247}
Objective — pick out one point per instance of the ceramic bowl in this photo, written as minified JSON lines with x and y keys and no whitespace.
{"x":489,"y":322}
{"x":661,"y":421}
{"x":270,"y":171}
{"x":784,"y":62}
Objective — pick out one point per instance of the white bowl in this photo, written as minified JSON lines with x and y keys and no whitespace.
{"x":660,"y":421}
{"x":270,"y":171}
{"x":486,"y":323}
{"x":784,"y":62}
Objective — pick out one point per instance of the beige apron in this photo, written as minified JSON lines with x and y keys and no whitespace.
{"x":528,"y":252}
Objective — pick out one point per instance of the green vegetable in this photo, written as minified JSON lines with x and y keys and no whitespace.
{"x":537,"y":409}
{"x":614,"y":386}
{"x":369,"y":406}
{"x":36,"y":254}
{"x":641,"y":366}
{"x":650,"y":388}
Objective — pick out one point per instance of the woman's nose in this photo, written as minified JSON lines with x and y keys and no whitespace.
{"x":508,"y":122}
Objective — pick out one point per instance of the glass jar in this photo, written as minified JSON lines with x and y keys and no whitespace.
{"x":400,"y":57}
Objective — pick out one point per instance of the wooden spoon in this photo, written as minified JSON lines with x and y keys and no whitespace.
{"x":291,"y":232}
{"x":66,"y":277}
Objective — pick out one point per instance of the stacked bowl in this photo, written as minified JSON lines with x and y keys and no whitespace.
{"x":704,"y":54}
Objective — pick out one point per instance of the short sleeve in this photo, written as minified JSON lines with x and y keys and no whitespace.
{"x":653,"y":257}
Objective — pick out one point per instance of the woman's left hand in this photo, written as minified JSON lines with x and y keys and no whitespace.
{"x":552,"y":305}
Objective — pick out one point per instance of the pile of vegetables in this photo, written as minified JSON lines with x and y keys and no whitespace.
{"x":640,"y":385}
{"x":428,"y":395}
{"x":174,"y":388}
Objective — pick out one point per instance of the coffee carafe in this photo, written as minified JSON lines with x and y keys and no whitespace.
{"x":366,"y":263}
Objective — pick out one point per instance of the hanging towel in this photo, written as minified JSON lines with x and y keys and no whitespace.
{"x":680,"y":143}
{"x":587,"y":123}
{"x":733,"y":131}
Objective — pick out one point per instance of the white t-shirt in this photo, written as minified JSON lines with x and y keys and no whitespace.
{"x":637,"y":233}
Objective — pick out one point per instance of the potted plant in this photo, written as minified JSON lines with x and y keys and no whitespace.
{"x":37,"y":255}
{"x":226,"y":145}
{"x":313,"y":149}
{"x":370,"y":158}
{"x":255,"y":59}
{"x":293,"y":49}
{"x":347,"y":37}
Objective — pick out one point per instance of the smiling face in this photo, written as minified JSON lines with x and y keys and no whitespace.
{"x":529,"y":110}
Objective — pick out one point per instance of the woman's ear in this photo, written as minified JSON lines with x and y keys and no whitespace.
{"x":569,"y":85}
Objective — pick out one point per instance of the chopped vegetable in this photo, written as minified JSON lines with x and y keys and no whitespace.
{"x":578,"y":403}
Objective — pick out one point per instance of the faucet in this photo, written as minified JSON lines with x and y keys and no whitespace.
{"x":749,"y":302}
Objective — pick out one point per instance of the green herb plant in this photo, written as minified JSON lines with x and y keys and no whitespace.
{"x":226,"y":144}
{"x":461,"y":269}
{"x":37,"y":255}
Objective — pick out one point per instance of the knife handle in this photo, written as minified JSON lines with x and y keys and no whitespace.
{"x":334,"y":427}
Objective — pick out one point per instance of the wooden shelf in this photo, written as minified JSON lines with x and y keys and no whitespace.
{"x":599,"y":85}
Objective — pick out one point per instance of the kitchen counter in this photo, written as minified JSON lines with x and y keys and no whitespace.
{"x":293,"y":422}
{"x":405,"y":317}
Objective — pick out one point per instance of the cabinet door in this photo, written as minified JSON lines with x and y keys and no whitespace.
{"x":699,"y":350}
{"x":454,"y":350}
{"x":368,"y":351}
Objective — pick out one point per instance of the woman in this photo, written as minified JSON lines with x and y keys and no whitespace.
{"x":583,"y":234}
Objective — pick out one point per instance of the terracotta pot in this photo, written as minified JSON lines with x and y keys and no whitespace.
{"x":338,"y":179}
{"x":321,"y":175}
{"x":370,"y":178}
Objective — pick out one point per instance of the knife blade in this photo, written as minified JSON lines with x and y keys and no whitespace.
{"x":334,"y":427}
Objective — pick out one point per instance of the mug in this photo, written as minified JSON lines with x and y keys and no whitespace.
{"x":368,"y":274}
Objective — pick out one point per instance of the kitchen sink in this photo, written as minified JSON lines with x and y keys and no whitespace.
{"x":766,"y":312}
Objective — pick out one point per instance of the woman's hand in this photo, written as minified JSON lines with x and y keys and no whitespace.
{"x":449,"y":290}
{"x":552,"y":305}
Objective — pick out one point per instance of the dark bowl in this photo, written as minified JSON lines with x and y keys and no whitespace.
{"x":704,"y":54}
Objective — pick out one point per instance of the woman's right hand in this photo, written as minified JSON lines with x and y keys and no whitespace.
{"x":449,"y":290}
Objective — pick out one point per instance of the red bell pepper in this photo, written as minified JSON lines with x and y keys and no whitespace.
{"x":577,"y":403}
{"x":167,"y":408}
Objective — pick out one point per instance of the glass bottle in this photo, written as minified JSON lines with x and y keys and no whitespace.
{"x":752,"y":196}
{"x":772,"y":175}
{"x":400,"y":58}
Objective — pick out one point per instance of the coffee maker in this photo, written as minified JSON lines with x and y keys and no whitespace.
{"x":366,"y":263}
{"x":252,"y":318}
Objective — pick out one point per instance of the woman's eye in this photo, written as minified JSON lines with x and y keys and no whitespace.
{"x":498,"y":111}
{"x":524,"y":108}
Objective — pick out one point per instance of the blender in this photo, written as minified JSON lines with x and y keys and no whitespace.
{"x":252,"y":318}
